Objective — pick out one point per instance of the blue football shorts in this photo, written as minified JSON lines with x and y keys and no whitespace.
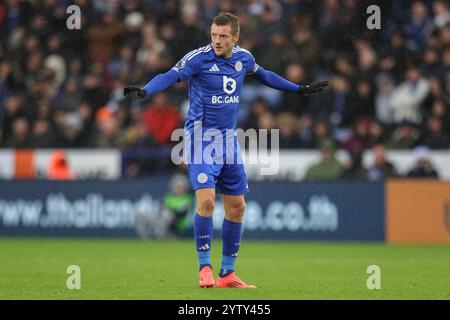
{"x":218,"y":166}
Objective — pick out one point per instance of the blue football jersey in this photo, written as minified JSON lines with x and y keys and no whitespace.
{"x":215,"y":85}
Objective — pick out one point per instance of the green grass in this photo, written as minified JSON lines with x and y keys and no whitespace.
{"x":132,"y":269}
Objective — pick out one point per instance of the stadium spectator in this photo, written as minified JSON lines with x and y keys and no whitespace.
{"x":161,"y":118}
{"x":353,"y":168}
{"x":292,"y":102}
{"x":441,"y":112}
{"x":108,"y":135}
{"x":122,"y":64}
{"x":43,"y":135}
{"x":258,"y":107}
{"x":20,"y":137}
{"x":377,"y":133}
{"x":266,"y":121}
{"x":270,"y":57}
{"x":359,"y":139}
{"x":359,"y":104}
{"x":434,"y":135}
{"x":94,"y":92}
{"x":329,"y":167}
{"x":86,"y":114}
{"x":366,"y":57}
{"x":188,"y":34}
{"x":381,"y":168}
{"x":178,"y":204}
{"x":57,"y":79}
{"x":441,"y":13}
{"x":404,"y":137}
{"x":423,"y":167}
{"x":137,"y":136}
{"x":407,"y":97}
{"x":151,"y":47}
{"x":70,"y":96}
{"x":306,"y":45}
{"x":332,"y":103}
{"x":419,"y":26}
{"x":436,"y":93}
{"x":431,"y":65}
{"x":289,"y":138}
{"x":58,"y":168}
{"x":13,"y":107}
{"x":328,"y":23}
{"x":306,"y":131}
{"x":105,"y":36}
{"x":383,"y":106}
{"x":322,"y":131}
{"x":343,"y":65}
{"x":399,"y":54}
{"x":70,"y":128}
{"x":170,"y":218}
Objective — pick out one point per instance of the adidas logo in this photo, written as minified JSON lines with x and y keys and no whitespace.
{"x":214,"y":68}
{"x":205,"y":247}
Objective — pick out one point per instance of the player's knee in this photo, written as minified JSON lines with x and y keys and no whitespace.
{"x":235,"y":212}
{"x":206,"y":206}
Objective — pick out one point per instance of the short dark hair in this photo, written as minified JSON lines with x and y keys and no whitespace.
{"x":226,"y":18}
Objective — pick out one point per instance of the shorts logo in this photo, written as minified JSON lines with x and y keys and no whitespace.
{"x":202,"y":178}
{"x":238,"y":66}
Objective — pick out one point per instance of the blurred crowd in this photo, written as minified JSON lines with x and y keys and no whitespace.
{"x":63,"y":88}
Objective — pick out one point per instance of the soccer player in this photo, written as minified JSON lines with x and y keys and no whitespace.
{"x":216,"y":75}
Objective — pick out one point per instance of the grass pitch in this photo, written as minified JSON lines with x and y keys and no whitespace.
{"x":133,"y":269}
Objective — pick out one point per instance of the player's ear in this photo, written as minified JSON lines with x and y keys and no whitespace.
{"x":236,"y":37}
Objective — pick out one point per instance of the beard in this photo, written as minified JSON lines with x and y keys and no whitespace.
{"x":222,"y":53}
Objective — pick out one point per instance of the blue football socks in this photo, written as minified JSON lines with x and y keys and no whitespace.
{"x":231,"y":237}
{"x":203,"y":231}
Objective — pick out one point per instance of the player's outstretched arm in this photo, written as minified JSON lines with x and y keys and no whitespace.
{"x":271,"y":79}
{"x":157,"y":84}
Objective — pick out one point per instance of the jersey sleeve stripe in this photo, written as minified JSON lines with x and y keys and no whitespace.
{"x":189,"y":56}
{"x":193,"y":52}
{"x":237,"y":48}
{"x":204,"y":51}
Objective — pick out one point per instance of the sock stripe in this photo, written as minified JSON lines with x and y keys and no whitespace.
{"x":204,"y":257}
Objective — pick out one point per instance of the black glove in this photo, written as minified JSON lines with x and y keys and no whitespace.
{"x":134,"y":92}
{"x":312,"y":88}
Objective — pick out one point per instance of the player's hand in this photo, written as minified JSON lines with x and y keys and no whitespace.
{"x":312,"y":88}
{"x":134,"y":92}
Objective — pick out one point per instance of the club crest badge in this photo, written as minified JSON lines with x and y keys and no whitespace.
{"x":202,"y":178}
{"x":238,"y":66}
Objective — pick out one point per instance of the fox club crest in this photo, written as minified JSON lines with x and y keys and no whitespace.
{"x":238,"y":66}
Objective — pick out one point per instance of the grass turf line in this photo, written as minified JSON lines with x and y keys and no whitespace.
{"x":32,"y":268}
